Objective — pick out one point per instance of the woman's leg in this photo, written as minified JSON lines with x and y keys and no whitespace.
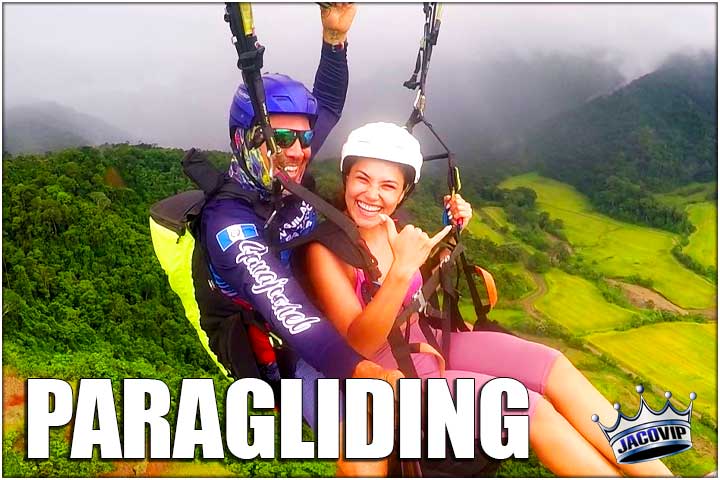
{"x":562,"y":449}
{"x":557,"y":444}
{"x":549,"y":372}
{"x":502,"y":355}
{"x":577,"y":400}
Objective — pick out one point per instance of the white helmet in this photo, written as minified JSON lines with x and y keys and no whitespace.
{"x":384,"y":141}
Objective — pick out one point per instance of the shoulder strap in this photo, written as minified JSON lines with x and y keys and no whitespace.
{"x":341,"y":222}
{"x":197,"y":167}
{"x":334,"y":239}
{"x":429,"y":287}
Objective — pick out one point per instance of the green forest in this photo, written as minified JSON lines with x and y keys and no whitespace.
{"x":655,"y":134}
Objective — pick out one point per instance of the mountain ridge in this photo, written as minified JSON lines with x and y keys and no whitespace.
{"x":655,"y":134}
{"x":42,"y":126}
{"x":666,"y":118}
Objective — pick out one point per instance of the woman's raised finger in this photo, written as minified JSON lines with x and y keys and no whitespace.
{"x":437,"y":238}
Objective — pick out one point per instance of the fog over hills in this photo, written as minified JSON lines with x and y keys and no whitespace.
{"x":45,"y":126}
{"x":165,"y":73}
{"x":660,"y":131}
{"x":494,"y":103}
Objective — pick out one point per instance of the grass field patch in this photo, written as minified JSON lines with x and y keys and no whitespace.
{"x":497,"y":214}
{"x":703,"y":241}
{"x":678,"y":357}
{"x":519,"y":269}
{"x":617,"y":386}
{"x":578,"y":305}
{"x":692,"y":193}
{"x":480,"y":229}
{"x":619,"y":249}
{"x":509,"y":318}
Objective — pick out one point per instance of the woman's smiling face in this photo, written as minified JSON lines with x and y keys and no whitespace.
{"x":373,"y":187}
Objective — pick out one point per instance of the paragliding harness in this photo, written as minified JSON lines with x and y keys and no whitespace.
{"x":445,"y":279}
{"x":230,"y":329}
{"x":340,"y":235}
{"x":427,"y":302}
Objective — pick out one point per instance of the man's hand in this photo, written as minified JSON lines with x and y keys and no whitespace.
{"x":336,"y":21}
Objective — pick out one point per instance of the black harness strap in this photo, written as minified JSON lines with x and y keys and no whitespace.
{"x":419,"y":303}
{"x":401,"y":350}
{"x":429,"y":335}
{"x":370,"y":265}
{"x":446,"y":321}
{"x":250,"y":62}
{"x":450,"y":319}
{"x":431,"y":29}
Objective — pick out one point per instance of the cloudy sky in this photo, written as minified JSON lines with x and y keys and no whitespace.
{"x":166,"y":72}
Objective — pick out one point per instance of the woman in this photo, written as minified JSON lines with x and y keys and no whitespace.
{"x":380,"y":164}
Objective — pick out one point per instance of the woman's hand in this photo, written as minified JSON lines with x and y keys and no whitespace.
{"x":411,"y":246}
{"x":336,"y":21}
{"x":459,"y":211}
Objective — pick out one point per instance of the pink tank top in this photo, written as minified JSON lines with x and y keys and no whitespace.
{"x":426,"y":365}
{"x":415,"y":284}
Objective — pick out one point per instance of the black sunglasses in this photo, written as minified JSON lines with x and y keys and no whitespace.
{"x":284,"y":137}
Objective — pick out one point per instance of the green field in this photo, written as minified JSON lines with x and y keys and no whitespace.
{"x":480,"y":229}
{"x":578,"y":305}
{"x":698,"y":200}
{"x":519,"y":269}
{"x":703,"y":242}
{"x":497,"y":214}
{"x":619,"y":249}
{"x":687,"y":194}
{"x":508,"y":318}
{"x":678,"y":357}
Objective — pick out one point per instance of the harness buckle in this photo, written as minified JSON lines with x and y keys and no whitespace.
{"x":275,"y":341}
{"x":421,"y":300}
{"x":270,"y":219}
{"x":419,"y":103}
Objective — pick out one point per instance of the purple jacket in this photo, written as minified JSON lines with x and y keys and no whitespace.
{"x":244,"y":267}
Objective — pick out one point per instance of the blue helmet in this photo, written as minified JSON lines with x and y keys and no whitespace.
{"x":282,"y":95}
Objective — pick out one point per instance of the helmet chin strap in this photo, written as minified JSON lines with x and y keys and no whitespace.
{"x":278,"y":160}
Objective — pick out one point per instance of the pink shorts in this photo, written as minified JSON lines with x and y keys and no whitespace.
{"x":484,"y":356}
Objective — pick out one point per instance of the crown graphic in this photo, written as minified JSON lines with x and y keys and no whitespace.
{"x":649,"y":434}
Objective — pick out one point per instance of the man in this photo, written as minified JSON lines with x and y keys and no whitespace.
{"x":236,"y":238}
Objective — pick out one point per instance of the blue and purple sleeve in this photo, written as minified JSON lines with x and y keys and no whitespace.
{"x":238,"y":252}
{"x":330,"y":89}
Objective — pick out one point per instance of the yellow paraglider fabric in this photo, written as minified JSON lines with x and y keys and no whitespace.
{"x":175,"y":256}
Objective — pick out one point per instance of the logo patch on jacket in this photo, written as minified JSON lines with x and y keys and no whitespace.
{"x":234,"y":233}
